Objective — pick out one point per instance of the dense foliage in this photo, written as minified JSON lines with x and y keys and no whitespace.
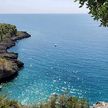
{"x":63,"y":101}
{"x":7,"y":103}
{"x":98,"y":9}
{"x":7,"y":30}
{"x":55,"y":101}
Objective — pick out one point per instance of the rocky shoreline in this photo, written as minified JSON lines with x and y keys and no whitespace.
{"x":9,"y":63}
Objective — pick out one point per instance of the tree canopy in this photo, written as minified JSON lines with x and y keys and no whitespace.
{"x":7,"y":30}
{"x":98,"y":9}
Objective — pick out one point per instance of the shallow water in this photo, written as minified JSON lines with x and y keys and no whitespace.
{"x":78,"y":64}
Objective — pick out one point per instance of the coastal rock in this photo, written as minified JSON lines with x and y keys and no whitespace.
{"x":7,"y":43}
{"x":100,"y":105}
{"x":9,"y":63}
{"x":19,"y":63}
{"x":20,"y":35}
{"x":8,"y":69}
{"x":9,"y":55}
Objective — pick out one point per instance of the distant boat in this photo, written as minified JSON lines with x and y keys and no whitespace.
{"x":55,"y":45}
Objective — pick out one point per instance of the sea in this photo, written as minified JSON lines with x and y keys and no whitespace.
{"x":66,"y":53}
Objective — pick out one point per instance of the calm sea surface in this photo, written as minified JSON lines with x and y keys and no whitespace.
{"x":78,"y":64}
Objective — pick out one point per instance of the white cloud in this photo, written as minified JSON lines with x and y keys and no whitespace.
{"x":40,"y":6}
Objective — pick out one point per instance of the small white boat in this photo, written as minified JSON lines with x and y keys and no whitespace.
{"x":55,"y":45}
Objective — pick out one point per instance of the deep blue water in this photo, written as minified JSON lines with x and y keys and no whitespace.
{"x":79,"y":63}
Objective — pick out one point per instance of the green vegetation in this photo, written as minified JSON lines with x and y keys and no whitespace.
{"x":98,"y":9}
{"x":6,"y":103}
{"x":63,"y":101}
{"x":7,"y":30}
{"x":55,"y":101}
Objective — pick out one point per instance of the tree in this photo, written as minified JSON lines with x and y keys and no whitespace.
{"x":7,"y":30}
{"x":98,"y":9}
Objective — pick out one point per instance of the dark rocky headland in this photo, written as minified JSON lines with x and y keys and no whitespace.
{"x":9,"y":63}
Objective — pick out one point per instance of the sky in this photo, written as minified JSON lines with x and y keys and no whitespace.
{"x":40,"y":6}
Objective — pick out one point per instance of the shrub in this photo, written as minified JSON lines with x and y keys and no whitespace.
{"x":6,"y":103}
{"x":63,"y":101}
{"x":55,"y":101}
{"x":7,"y":30}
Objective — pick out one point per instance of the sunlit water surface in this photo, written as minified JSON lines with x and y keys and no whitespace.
{"x":65,"y":53}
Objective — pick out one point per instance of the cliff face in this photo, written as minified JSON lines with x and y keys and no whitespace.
{"x":9,"y":63}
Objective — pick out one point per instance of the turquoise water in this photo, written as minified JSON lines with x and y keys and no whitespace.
{"x":78,"y":64}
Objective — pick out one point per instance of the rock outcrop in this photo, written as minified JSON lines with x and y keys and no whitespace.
{"x":100,"y":105}
{"x":9,"y":63}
